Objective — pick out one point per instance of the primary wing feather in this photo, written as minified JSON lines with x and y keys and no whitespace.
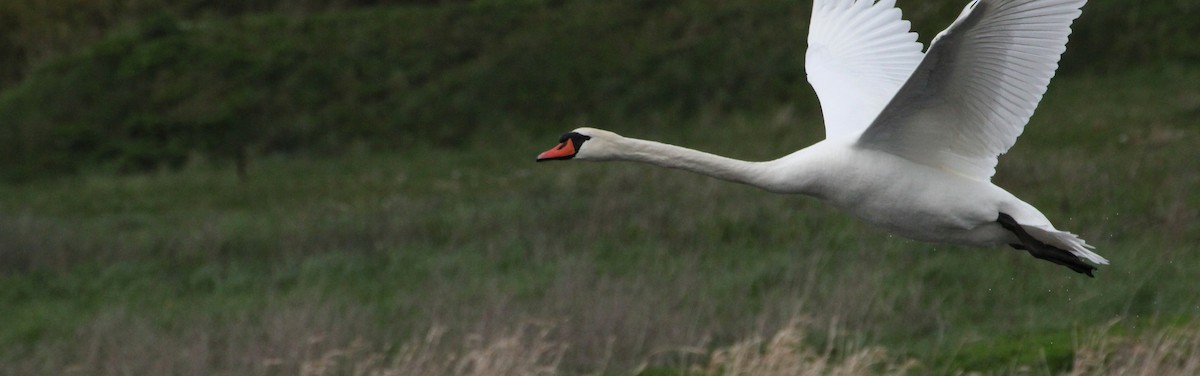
{"x":977,"y":86}
{"x":859,"y":53}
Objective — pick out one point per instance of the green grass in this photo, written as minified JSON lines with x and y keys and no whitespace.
{"x":629,"y":263}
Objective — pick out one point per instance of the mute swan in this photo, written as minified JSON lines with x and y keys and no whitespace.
{"x":911,"y":139}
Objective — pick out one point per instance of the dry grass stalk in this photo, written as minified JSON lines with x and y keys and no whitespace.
{"x":1167,"y":352}
{"x":787,"y":354}
{"x":525,"y":350}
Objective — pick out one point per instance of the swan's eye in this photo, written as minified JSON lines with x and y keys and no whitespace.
{"x":573,"y":136}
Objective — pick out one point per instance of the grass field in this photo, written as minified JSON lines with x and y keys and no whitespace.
{"x":477,"y":260}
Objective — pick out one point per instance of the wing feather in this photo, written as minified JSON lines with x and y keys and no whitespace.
{"x":977,"y":86}
{"x":859,"y":53}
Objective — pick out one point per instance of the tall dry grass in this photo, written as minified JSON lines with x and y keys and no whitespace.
{"x":318,"y":340}
{"x":289,"y":339}
{"x":282,"y":339}
{"x":525,"y":349}
{"x":1174,"y":351}
{"x":788,"y":353}
{"x":530,"y":349}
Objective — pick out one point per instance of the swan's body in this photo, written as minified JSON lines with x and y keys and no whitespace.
{"x":911,"y":138}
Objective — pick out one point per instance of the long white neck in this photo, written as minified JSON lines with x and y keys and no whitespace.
{"x":758,"y":174}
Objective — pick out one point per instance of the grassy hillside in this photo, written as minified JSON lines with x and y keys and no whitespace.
{"x":384,"y":77}
{"x":177,"y":86}
{"x":40,"y":31}
{"x":361,"y":259}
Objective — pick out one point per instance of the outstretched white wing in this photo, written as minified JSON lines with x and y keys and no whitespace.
{"x":859,"y":53}
{"x":977,"y":86}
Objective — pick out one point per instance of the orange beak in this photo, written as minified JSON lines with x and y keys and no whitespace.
{"x":565,"y":150}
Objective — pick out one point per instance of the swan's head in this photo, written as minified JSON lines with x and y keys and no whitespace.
{"x":583,"y":144}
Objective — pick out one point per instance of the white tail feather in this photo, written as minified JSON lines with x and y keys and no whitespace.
{"x":1066,"y":241}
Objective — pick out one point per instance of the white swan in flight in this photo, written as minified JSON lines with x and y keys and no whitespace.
{"x":911,"y":138}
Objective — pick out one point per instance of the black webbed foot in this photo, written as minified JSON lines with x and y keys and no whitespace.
{"x":1044,"y":251}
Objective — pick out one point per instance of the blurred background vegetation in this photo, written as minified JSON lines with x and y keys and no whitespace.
{"x":138,"y":85}
{"x":342,"y":186}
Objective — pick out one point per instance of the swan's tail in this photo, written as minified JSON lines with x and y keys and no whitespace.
{"x":1065,"y":241}
{"x":1046,"y":243}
